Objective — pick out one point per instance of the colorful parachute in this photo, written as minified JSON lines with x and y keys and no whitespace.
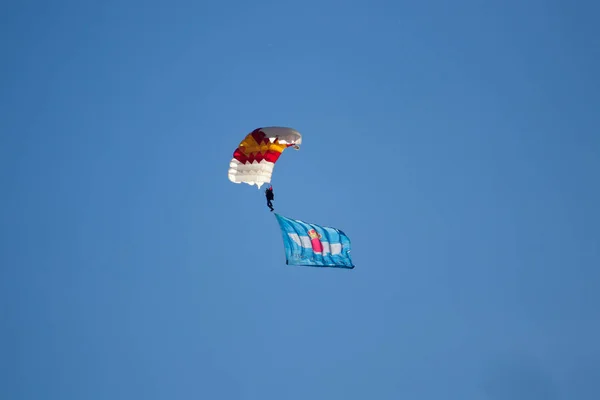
{"x":314,"y":245}
{"x":254,"y":159}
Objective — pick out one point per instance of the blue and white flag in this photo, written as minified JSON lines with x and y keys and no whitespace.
{"x":314,"y":245}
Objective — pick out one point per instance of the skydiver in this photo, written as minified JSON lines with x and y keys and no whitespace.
{"x":270,"y":197}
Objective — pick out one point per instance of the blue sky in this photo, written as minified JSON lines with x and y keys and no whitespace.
{"x":455,"y":143}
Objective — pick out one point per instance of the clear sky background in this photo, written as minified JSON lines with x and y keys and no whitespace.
{"x":456,"y":143}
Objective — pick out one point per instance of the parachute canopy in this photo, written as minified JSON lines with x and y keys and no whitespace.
{"x":314,"y":245}
{"x":254,"y":159}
